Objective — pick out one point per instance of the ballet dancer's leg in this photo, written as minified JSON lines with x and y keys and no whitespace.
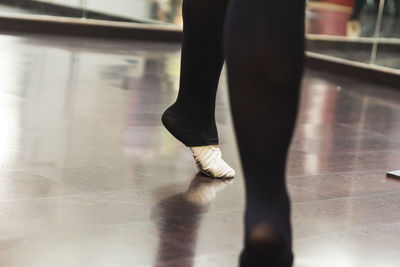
{"x":191,"y":118}
{"x":264,"y":41}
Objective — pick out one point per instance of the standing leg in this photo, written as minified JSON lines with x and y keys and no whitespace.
{"x":264,"y":41}
{"x":191,"y":119}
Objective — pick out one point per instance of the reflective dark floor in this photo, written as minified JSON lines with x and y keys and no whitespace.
{"x":88,"y":177}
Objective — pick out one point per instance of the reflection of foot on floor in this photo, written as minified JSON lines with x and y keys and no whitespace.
{"x":353,"y":28}
{"x":202,"y":189}
{"x":266,"y":247}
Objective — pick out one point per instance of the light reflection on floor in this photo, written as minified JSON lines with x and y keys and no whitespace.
{"x":89,"y":177}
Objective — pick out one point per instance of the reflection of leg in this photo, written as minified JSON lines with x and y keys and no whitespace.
{"x":177,"y":243}
{"x":265,"y":50}
{"x":353,"y":25}
{"x":178,"y":219}
{"x":358,"y":6}
{"x":191,"y":119}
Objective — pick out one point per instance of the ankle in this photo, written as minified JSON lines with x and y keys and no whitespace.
{"x":265,"y":245}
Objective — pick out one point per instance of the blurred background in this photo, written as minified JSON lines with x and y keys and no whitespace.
{"x":363,"y":31}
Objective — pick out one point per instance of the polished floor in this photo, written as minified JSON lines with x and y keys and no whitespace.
{"x":89,"y":177}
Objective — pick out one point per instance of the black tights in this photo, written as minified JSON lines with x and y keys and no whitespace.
{"x":263,"y":43}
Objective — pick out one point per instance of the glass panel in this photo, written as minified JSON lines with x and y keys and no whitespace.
{"x":388,"y":44}
{"x":388,"y":54}
{"x":342,"y":28}
{"x":354,"y":18}
{"x":391,"y":19}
